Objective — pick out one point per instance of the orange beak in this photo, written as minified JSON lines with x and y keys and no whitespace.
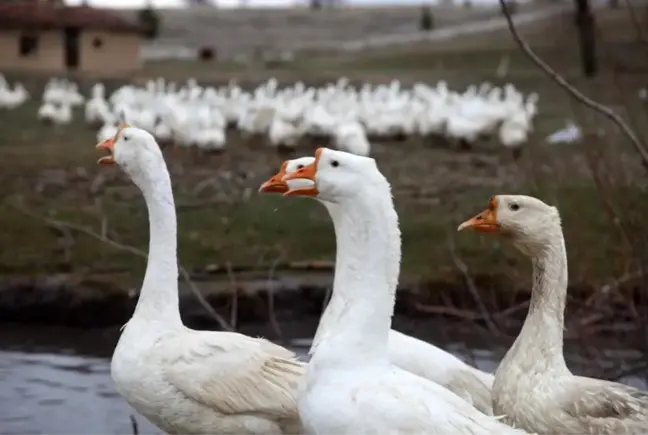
{"x":308,"y":172}
{"x":109,"y":145}
{"x":486,"y":221}
{"x":275,"y":184}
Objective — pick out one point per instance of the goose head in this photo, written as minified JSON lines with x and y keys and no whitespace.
{"x":337,"y":177}
{"x":528,"y":222}
{"x":136,"y":152}
{"x":276,"y":184}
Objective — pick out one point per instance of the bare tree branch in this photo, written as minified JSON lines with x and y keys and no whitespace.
{"x":471,"y":286}
{"x":79,"y":229}
{"x":575,"y":93}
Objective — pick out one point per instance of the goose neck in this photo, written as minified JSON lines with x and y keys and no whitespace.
{"x":159,"y":294}
{"x":357,"y":321}
{"x":541,"y":337}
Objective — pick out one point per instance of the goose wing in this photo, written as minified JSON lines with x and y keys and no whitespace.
{"x":607,"y":403}
{"x":409,"y":409}
{"x":234,"y":373}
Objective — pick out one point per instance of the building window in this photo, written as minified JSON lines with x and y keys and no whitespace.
{"x":27,"y":45}
{"x":97,"y":42}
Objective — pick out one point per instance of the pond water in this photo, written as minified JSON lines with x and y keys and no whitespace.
{"x":57,"y":381}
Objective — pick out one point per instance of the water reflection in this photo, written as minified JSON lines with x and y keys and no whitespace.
{"x":49,"y":393}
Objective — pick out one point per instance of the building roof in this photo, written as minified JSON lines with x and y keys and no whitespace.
{"x":49,"y":16}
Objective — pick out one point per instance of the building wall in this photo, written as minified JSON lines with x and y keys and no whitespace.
{"x":117,"y":53}
{"x":100,"y":52}
{"x":47,"y":57}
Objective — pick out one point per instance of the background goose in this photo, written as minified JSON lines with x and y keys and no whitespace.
{"x":350,"y":385}
{"x":411,"y":354}
{"x":182,"y":380}
{"x":533,"y":386}
{"x":191,"y":115}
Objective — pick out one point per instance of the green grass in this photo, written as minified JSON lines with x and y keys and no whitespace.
{"x":435,"y":188}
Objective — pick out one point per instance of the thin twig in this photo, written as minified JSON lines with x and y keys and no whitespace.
{"x":607,"y":288}
{"x":467,"y":314}
{"x":575,"y":93}
{"x":134,"y":425}
{"x":641,"y":368}
{"x":511,"y":310}
{"x":448,"y":311}
{"x":272,"y":318}
{"x":67,"y":243}
{"x":183,"y":272}
{"x":608,"y":204}
{"x":234,"y":289}
{"x":471,"y":285}
{"x":635,"y":20}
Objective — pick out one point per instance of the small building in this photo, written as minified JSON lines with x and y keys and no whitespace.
{"x":51,"y":37}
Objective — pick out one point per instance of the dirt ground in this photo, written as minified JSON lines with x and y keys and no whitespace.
{"x":235,"y":32}
{"x":52,"y":172}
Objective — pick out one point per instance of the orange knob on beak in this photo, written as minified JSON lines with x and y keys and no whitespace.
{"x":275,"y":184}
{"x":484,"y":222}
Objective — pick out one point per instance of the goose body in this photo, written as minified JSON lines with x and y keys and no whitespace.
{"x":186,"y":381}
{"x":533,"y":386}
{"x":408,"y":353}
{"x":439,"y":366}
{"x":350,"y":386}
{"x":192,"y":382}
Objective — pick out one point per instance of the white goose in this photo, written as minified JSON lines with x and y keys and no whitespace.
{"x":533,"y":385}
{"x":346,"y":115}
{"x":350,"y":385}
{"x":411,"y":354}
{"x":182,"y":380}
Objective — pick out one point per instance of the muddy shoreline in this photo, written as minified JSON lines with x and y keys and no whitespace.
{"x":66,"y":300}
{"x":92,"y":302}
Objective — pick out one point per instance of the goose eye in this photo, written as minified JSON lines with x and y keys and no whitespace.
{"x":300,"y":166}
{"x":335,"y":163}
{"x":514,"y":207}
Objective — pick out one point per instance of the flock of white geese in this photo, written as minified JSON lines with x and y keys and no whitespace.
{"x":348,"y":117}
{"x":362,"y":377}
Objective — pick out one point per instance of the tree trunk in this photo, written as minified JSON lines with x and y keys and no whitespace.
{"x":586,"y":30}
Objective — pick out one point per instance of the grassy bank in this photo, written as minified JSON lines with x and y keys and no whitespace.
{"x":598,"y":185}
